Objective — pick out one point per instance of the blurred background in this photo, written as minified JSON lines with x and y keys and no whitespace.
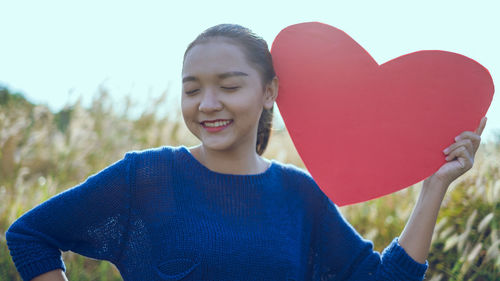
{"x":82,"y":83}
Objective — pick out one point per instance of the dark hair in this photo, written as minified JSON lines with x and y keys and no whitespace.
{"x":257,"y":52}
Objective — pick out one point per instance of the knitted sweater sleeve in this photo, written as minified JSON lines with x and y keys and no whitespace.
{"x":89,"y":219}
{"x":342,"y":254}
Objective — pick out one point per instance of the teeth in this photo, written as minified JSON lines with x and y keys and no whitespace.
{"x":216,"y":124}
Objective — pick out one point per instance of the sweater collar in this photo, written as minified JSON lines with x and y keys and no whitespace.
{"x":202,"y":172}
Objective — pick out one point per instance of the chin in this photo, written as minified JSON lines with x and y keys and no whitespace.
{"x":220,"y":146}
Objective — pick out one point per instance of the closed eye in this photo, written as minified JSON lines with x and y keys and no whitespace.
{"x":192,"y":91}
{"x":231,"y":88}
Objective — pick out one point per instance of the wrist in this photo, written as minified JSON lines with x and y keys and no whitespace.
{"x":434,"y":184}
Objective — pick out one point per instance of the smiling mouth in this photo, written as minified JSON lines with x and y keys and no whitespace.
{"x":216,"y":123}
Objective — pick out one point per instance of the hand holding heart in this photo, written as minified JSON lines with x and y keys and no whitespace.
{"x":460,"y":155}
{"x":417,"y":235}
{"x":365,"y":130}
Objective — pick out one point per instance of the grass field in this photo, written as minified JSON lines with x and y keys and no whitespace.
{"x":43,"y":153}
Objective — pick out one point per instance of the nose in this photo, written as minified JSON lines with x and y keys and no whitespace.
{"x":210,"y":102}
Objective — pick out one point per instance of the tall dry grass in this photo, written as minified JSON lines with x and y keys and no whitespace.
{"x":42,"y":154}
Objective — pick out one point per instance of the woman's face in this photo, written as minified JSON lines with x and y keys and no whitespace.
{"x":223,"y":96}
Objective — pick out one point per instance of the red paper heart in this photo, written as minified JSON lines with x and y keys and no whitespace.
{"x":365,"y":130}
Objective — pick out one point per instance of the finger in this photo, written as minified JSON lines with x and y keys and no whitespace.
{"x":457,"y":152}
{"x":473,"y":137}
{"x":467,"y":143}
{"x":462,"y":156}
{"x":482,"y":124}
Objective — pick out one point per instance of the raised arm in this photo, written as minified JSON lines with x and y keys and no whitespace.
{"x":340,"y":253}
{"x":417,"y":234}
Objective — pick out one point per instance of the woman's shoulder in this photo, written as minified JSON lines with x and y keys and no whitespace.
{"x":292,"y":171}
{"x":299,"y":177}
{"x":153,"y":165}
{"x":155,"y":160}
{"x":155,"y":153}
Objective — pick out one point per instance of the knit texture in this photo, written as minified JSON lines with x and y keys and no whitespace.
{"x":159,"y":214}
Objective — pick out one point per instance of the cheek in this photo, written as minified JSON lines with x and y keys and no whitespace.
{"x":187,"y":106}
{"x":255,"y":105}
{"x":185,"y":113}
{"x":251,"y":100}
{"x":188,"y":111}
{"x":189,"y":117}
{"x":251,"y":113}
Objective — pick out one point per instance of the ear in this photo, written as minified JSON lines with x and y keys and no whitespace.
{"x":271,"y":93}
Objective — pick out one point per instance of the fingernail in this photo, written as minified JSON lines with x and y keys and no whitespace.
{"x":445,"y":151}
{"x":457,"y":138}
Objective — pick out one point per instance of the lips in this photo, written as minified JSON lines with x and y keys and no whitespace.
{"x":214,"y":126}
{"x":216,"y":123}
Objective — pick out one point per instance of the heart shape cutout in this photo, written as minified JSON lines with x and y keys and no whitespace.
{"x":365,"y":130}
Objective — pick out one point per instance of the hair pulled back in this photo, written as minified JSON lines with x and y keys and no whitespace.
{"x":257,"y":53}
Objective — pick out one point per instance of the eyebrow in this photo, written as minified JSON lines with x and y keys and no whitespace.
{"x":220,"y":76}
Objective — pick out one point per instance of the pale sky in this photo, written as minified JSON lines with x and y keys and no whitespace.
{"x":54,"y":51}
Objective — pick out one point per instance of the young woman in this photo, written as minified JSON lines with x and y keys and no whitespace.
{"x":220,"y":211}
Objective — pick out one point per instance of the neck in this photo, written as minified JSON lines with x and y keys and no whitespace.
{"x":242,"y":162}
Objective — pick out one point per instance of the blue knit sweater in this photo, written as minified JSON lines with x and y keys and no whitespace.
{"x":159,"y":214}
